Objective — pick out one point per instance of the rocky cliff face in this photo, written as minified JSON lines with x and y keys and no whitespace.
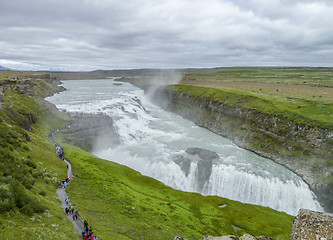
{"x":92,"y":132}
{"x":302,"y":148}
{"x":25,"y":83}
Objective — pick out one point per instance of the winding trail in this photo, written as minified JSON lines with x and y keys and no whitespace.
{"x":61,"y":192}
{"x":62,"y":195}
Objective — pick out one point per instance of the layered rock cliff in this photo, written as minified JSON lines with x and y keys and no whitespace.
{"x":91,"y":132}
{"x":302,"y":148}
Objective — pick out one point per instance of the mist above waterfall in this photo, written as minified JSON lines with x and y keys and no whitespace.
{"x":165,"y":77}
{"x":180,"y":154}
{"x":159,"y":79}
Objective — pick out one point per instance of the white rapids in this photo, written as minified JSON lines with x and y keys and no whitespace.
{"x":151,"y":139}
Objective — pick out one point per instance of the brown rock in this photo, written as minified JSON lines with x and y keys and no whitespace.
{"x":312,"y":225}
{"x":229,"y":237}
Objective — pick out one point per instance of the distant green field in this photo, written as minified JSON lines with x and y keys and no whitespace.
{"x":307,"y":83}
{"x":322,"y":77}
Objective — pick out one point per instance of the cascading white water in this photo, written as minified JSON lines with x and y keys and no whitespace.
{"x":156,"y":143}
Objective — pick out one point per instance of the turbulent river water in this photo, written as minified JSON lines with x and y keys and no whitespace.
{"x":157,"y":143}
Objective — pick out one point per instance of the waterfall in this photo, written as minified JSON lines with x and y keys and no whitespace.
{"x":182,"y":155}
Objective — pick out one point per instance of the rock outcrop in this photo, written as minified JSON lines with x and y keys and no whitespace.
{"x":179,"y":238}
{"x":24,"y":86}
{"x":92,"y":132}
{"x":204,"y":160}
{"x":304,"y":149}
{"x":25,"y":83}
{"x":232,"y":237}
{"x":312,"y":225}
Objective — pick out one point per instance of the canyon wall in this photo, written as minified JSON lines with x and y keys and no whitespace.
{"x":304,"y":149}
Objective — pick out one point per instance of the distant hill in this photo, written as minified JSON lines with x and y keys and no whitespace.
{"x":3,"y":68}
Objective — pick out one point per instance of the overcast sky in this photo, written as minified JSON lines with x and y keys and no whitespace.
{"x":121,"y":34}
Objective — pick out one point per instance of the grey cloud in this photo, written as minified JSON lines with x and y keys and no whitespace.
{"x":108,"y":34}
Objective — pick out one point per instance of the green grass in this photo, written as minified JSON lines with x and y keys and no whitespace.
{"x":304,"y":111}
{"x":120,"y":203}
{"x":30,"y":171}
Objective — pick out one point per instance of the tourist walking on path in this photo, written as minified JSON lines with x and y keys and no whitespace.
{"x":78,"y":225}
{"x":61,"y":192}
{"x":72,"y":215}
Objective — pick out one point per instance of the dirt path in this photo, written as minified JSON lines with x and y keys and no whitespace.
{"x":61,"y":192}
{"x":62,"y":195}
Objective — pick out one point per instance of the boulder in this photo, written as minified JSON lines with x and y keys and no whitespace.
{"x":229,"y":237}
{"x":247,"y":237}
{"x":204,"y":159}
{"x":179,"y":238}
{"x":312,"y":225}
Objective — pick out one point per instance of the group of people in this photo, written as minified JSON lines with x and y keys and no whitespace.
{"x":64,"y":182}
{"x":60,"y":152}
{"x":70,"y":210}
{"x":88,"y":232}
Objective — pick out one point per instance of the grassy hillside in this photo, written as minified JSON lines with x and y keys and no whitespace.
{"x":29,"y":171}
{"x":120,"y":203}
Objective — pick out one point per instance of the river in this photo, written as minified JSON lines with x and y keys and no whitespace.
{"x":160,"y":144}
